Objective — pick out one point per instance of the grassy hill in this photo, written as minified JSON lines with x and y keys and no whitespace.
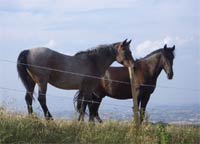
{"x":16,"y":128}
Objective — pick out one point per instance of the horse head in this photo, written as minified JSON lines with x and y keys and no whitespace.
{"x":167,"y":60}
{"x":124,"y":55}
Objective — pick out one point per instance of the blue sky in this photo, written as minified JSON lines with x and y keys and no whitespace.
{"x":71,"y":26}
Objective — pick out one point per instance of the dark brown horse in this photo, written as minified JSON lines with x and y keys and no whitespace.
{"x":42,"y":66}
{"x":116,"y":82}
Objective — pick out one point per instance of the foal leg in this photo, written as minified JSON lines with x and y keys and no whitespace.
{"x":95,"y":108}
{"x":91,"y":112}
{"x":97,"y":114}
{"x":42,"y":100}
{"x":82,"y":112}
{"x":144,"y":102}
{"x":88,"y":99}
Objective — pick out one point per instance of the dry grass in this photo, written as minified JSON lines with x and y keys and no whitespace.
{"x":22,"y":129}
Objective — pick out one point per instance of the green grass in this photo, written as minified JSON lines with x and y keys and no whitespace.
{"x":15,"y":128}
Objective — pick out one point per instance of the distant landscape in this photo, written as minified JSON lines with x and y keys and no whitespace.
{"x":110,"y":109}
{"x":189,"y":114}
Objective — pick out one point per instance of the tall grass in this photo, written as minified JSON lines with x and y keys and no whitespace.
{"x":23,"y":129}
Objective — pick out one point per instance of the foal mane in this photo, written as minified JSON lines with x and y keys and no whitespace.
{"x":149,"y":55}
{"x":154,"y":52}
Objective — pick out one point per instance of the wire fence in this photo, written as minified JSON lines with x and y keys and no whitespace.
{"x":95,"y":77}
{"x":3,"y":88}
{"x":84,"y":75}
{"x":90,"y":101}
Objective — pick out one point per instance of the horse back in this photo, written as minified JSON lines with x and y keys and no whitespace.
{"x":56,"y":68}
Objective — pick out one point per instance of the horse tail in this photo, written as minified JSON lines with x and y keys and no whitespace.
{"x":77,"y":101}
{"x":22,"y":67}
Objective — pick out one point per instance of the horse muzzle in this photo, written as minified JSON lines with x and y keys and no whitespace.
{"x":170,"y":75}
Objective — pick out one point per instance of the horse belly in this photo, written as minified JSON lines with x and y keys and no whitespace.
{"x":66,"y":82}
{"x":119,"y":91}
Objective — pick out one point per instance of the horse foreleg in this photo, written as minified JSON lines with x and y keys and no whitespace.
{"x":144,"y":102}
{"x":98,"y":117}
{"x":42,"y":100}
{"x":91,"y":115}
{"x":96,"y":109}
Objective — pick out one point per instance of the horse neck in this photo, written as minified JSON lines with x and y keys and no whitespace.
{"x":154,"y":63}
{"x":104,"y":61}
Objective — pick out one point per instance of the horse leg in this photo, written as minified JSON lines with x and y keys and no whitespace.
{"x":97,"y":113}
{"x":96,"y":109}
{"x":88,"y":99}
{"x":82,"y":104}
{"x":29,"y":99}
{"x":82,"y":108}
{"x":91,"y":112}
{"x":29,"y":95}
{"x":87,"y":91}
{"x":144,"y":102}
{"x":42,"y":100}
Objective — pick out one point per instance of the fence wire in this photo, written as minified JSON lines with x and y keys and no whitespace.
{"x":95,"y":77}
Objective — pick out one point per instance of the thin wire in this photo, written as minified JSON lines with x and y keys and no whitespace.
{"x":90,"y":101}
{"x":95,"y":77}
{"x":68,"y":72}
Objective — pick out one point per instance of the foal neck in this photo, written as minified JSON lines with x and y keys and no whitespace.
{"x":154,"y":64}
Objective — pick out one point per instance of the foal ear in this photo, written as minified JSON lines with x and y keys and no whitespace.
{"x":173,"y":48}
{"x":165,"y":46}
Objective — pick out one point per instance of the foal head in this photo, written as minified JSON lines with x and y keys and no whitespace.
{"x":124,"y":55}
{"x":167,"y":60}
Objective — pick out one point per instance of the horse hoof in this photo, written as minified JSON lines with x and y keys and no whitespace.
{"x":49,"y":118}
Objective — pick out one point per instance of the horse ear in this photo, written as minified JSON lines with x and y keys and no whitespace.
{"x":124,"y":42}
{"x":173,"y":48}
{"x":165,"y":46}
{"x":129,"y":42}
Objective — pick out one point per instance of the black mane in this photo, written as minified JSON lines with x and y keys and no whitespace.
{"x":105,"y":49}
{"x":152,"y":53}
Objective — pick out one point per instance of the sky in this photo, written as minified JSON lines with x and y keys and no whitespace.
{"x":72,"y":26}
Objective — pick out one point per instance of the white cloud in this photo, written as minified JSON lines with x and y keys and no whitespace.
{"x":148,"y":46}
{"x":51,"y":44}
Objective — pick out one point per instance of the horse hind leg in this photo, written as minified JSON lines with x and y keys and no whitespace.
{"x":84,"y":103}
{"x":42,"y":100}
{"x":82,"y":109}
{"x":94,"y":107}
{"x":29,"y":95}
